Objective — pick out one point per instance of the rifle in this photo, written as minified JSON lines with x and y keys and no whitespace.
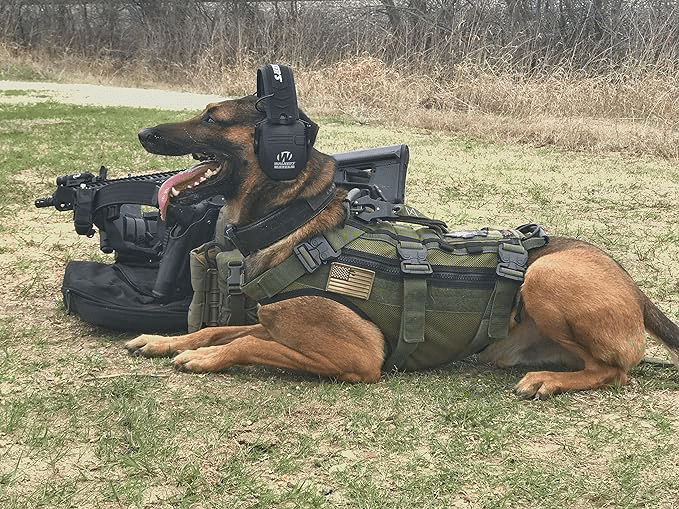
{"x":378,"y":174}
{"x":375,"y":178}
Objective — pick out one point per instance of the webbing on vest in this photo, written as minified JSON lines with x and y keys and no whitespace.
{"x":307,"y":257}
{"x":232,"y":284}
{"x":217,"y":279}
{"x":471,"y":298}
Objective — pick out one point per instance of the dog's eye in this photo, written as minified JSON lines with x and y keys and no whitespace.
{"x":209,"y":120}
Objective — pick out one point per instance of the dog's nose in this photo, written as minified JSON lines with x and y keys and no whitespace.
{"x":145,"y":134}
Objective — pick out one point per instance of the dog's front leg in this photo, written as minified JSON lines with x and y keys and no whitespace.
{"x":310,"y":334}
{"x":149,"y":345}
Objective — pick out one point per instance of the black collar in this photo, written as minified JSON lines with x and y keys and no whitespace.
{"x":277,"y":224}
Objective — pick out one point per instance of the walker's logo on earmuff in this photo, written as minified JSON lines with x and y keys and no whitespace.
{"x":284,"y":161}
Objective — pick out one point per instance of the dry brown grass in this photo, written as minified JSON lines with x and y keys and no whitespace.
{"x":634,"y":111}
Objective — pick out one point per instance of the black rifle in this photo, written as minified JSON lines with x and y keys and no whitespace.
{"x":378,"y":173}
{"x":374,"y":177}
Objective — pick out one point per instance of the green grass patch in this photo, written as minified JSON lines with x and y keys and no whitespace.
{"x":82,"y":424}
{"x":29,"y":161}
{"x":15,"y":93}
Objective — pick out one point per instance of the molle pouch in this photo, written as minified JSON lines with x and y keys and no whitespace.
{"x":218,"y":300}
{"x":203,"y":275}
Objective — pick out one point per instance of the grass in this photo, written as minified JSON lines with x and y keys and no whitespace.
{"x":82,"y":424}
{"x":630,"y":110}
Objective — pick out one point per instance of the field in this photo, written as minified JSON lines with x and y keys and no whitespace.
{"x":82,"y":424}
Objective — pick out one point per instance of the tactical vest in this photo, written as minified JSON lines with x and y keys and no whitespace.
{"x":436,"y":296}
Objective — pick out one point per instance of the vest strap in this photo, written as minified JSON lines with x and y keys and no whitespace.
{"x":414,"y":301}
{"x":274,"y":280}
{"x":233,"y":260}
{"x":277,"y":278}
{"x":511,"y":267}
{"x":83,"y":211}
{"x":415,"y":267}
{"x":503,"y":301}
{"x":277,"y":224}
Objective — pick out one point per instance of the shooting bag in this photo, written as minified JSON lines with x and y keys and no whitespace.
{"x":147,"y":288}
{"x":120,"y":296}
{"x":436,"y":296}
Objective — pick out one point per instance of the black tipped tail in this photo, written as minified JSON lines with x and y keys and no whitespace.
{"x":662,"y":328}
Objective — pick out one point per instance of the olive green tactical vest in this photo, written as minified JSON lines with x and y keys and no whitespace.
{"x":436,"y":297}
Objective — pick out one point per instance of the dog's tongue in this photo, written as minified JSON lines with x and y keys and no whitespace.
{"x":182,"y":181}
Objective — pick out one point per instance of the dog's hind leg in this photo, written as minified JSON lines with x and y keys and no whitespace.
{"x":310,"y":334}
{"x":583,"y":301}
{"x":149,"y":345}
{"x":527,"y":347}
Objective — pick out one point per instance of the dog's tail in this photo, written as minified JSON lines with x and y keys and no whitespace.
{"x":657,"y":323}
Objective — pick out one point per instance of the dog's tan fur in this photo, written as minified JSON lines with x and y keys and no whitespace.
{"x":580,"y":311}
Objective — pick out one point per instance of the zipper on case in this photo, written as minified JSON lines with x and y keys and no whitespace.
{"x":388,"y":268}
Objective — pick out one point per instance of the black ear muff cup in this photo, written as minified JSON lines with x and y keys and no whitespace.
{"x":282,"y":138}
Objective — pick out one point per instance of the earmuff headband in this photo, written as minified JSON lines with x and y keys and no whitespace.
{"x":276,"y":86}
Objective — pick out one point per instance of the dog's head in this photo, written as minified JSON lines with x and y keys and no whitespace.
{"x":221,"y":138}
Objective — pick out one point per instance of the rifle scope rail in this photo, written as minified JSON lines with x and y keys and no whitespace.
{"x":63,"y":197}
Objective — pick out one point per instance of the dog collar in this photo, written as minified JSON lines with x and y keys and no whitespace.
{"x":277,"y":224}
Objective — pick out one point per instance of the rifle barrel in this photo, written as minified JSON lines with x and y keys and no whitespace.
{"x":47,"y":201}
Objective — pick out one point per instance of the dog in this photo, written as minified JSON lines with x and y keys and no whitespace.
{"x":578,"y":308}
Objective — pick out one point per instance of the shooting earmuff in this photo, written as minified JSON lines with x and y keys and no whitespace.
{"x":282,"y":139}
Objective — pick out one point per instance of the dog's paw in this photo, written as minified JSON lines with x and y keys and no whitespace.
{"x":148,"y":345}
{"x":537,"y":385}
{"x":202,"y":360}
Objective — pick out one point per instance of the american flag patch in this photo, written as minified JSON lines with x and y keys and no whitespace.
{"x":349,"y":280}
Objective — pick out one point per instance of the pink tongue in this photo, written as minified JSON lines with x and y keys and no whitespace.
{"x":191,"y":175}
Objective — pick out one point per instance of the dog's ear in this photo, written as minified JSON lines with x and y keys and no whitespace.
{"x":313,"y":131}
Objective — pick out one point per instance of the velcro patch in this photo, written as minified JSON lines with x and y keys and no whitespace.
{"x":350,"y":280}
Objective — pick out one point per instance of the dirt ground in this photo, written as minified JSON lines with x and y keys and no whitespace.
{"x":102,"y":95}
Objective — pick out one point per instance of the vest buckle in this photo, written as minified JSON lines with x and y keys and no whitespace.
{"x":513,"y":260}
{"x":413,"y":258}
{"x":313,"y":253}
{"x":235,"y":279}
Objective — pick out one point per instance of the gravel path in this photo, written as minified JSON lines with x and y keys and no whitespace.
{"x":100,"y":95}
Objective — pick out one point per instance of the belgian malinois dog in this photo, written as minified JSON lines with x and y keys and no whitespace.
{"x":579,"y":308}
